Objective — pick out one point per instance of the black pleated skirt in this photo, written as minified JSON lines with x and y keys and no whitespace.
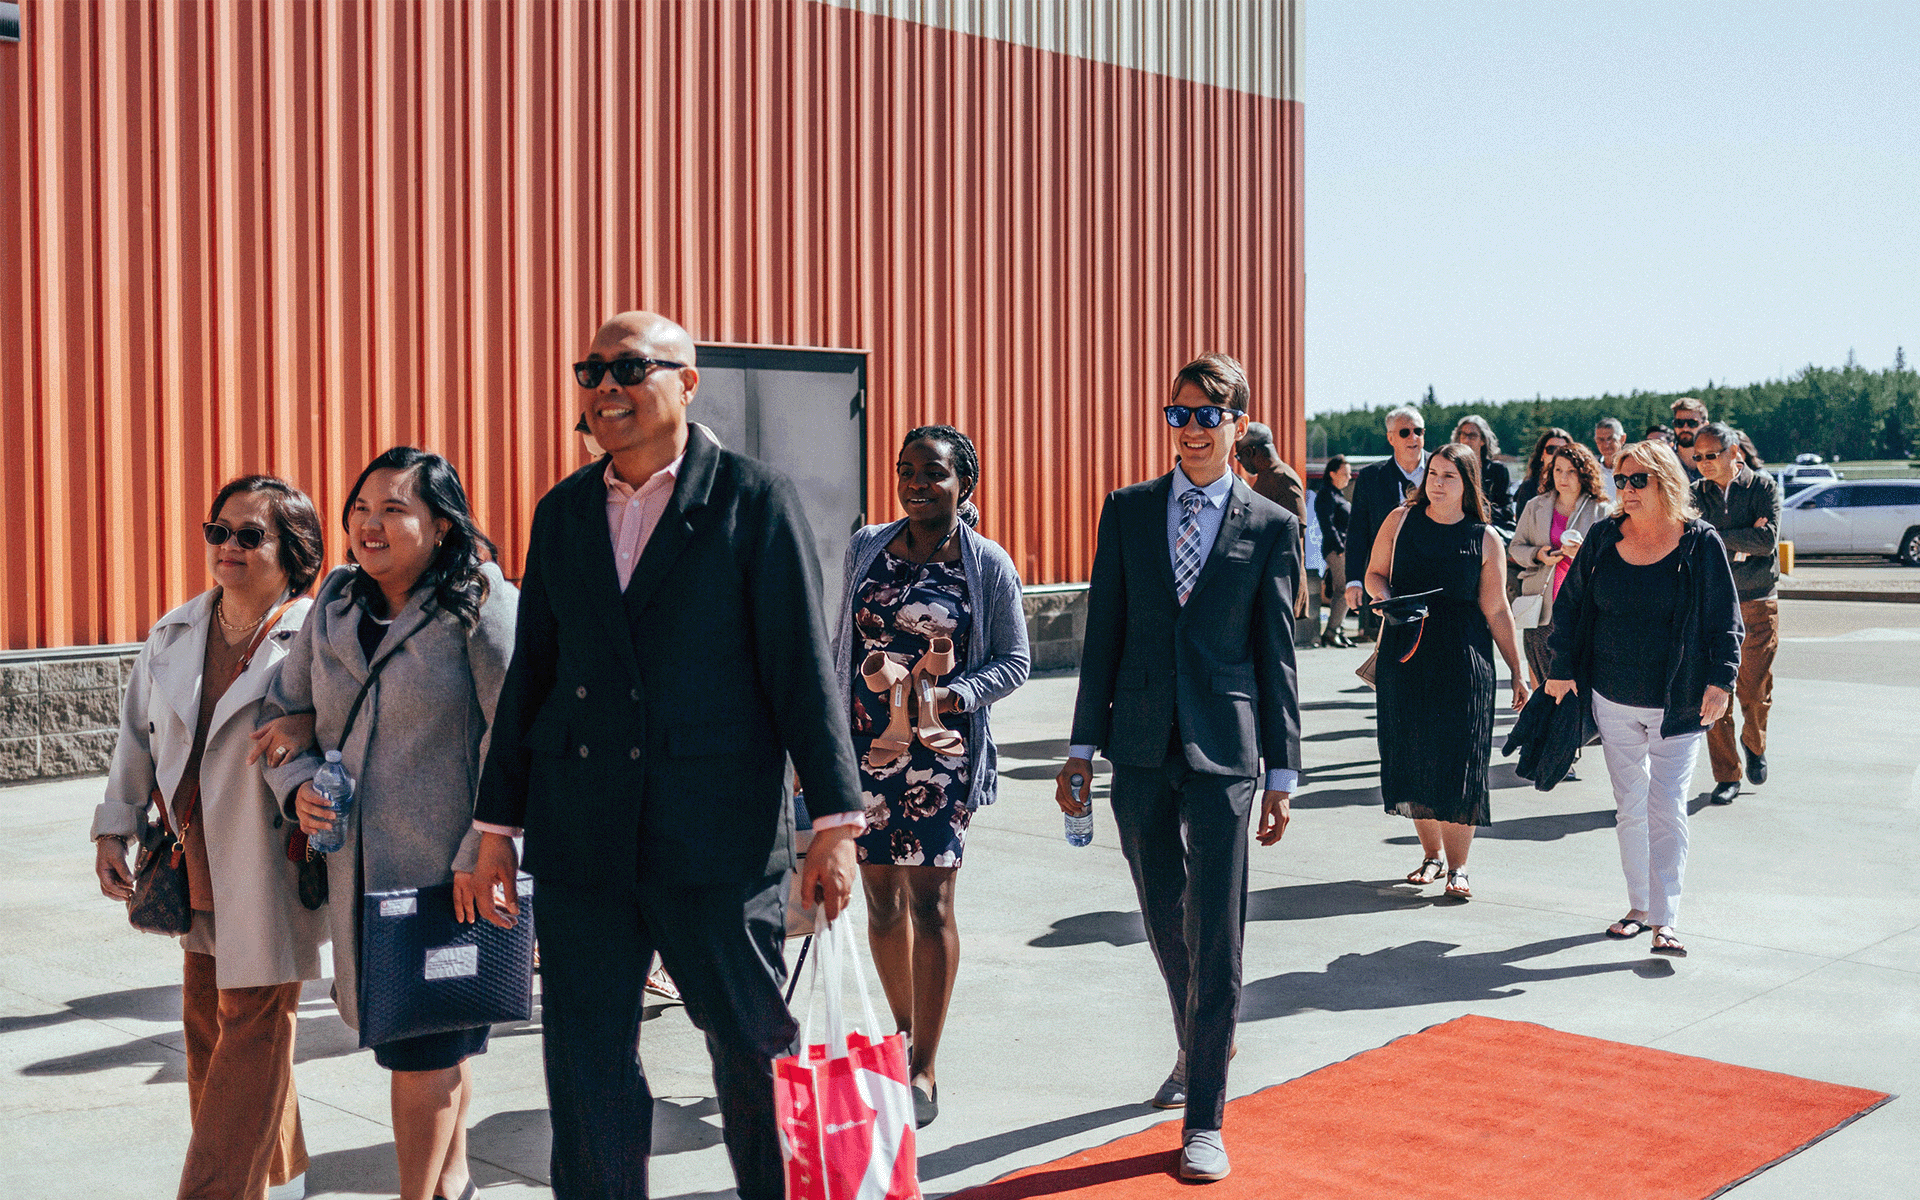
{"x":1436,"y":716}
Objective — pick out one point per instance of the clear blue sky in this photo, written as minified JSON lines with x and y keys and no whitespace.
{"x":1561,"y":198}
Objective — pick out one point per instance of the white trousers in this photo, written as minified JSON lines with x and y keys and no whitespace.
{"x":1651,"y":778}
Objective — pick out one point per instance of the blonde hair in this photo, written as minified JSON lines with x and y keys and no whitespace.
{"x":1668,"y":481}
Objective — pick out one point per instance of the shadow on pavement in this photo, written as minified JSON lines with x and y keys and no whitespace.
{"x":134,"y":1004}
{"x":1414,"y":974}
{"x":955,"y":1159}
{"x":1299,"y":902}
{"x":1076,"y":1178}
{"x":1547,"y":828}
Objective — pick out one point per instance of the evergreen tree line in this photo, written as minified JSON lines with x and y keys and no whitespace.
{"x":1844,"y":412}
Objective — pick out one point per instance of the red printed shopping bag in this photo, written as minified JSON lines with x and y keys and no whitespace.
{"x":844,"y":1109}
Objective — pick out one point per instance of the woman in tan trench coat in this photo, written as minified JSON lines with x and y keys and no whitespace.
{"x":188,"y":717}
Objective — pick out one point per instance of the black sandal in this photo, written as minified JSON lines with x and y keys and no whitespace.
{"x":1425,"y":875}
{"x":1627,"y":927}
{"x":1665,"y":943}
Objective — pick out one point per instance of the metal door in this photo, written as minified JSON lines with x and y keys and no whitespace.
{"x":802,"y":412}
{"x":1820,"y":523}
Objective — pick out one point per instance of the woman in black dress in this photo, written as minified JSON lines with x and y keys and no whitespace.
{"x":1435,"y":677}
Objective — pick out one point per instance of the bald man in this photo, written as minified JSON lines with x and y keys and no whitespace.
{"x":670,"y":656}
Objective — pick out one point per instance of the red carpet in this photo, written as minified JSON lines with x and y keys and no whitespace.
{"x":1495,"y":1110}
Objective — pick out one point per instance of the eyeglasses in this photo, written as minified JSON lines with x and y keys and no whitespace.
{"x":1410,"y":431}
{"x":247,"y":539}
{"x":626,"y":371}
{"x":1708,"y":457}
{"x":1687,"y":422}
{"x":1636,"y":481}
{"x":1209,"y":415}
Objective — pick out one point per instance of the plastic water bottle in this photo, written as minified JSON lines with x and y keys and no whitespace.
{"x":1080,"y":828}
{"x":336,"y":788}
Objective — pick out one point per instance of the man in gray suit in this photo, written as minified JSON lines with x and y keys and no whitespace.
{"x":1187,"y":683}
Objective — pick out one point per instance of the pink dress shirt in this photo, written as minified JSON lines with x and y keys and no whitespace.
{"x":632,"y":516}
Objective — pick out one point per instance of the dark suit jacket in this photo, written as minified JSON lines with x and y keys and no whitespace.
{"x":1221,"y":667}
{"x":641,"y":736}
{"x":1377,"y":491}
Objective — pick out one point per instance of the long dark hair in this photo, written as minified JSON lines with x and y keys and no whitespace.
{"x":298,"y":526}
{"x":1538,"y":458}
{"x":454,"y":571}
{"x":1466,"y":461}
{"x":966,"y":464}
{"x":1325,"y":482}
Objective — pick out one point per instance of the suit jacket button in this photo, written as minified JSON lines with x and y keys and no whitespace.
{"x":583,"y":752}
{"x":634,"y":753}
{"x":580,"y":692}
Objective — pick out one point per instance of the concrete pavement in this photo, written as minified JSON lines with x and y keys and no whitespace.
{"x":1801,"y":914}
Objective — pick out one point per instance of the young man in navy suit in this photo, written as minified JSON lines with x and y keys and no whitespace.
{"x":1187,"y":685}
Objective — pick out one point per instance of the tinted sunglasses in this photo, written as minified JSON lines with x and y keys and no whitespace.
{"x":1637,"y":481}
{"x":1687,"y":422}
{"x":1209,"y":415}
{"x":1708,"y":457}
{"x":1410,"y":431}
{"x":247,"y":539}
{"x":626,"y":371}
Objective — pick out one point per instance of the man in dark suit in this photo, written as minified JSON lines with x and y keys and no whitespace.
{"x":1187,"y":683}
{"x":1378,"y":489}
{"x":670,"y":655}
{"x":1270,"y":476}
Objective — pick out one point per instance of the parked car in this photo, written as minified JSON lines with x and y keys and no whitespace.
{"x":1862,"y":516}
{"x":1797,"y":479}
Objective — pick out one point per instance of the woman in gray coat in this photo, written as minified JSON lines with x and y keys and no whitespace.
{"x":422,"y":608}
{"x":185,"y":732}
{"x":930,"y":634}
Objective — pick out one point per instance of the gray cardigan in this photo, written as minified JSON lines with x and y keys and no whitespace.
{"x":997,"y":659}
{"x":415,"y":749}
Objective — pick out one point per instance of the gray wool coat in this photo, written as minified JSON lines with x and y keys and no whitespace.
{"x":997,"y":656}
{"x":415,"y":750}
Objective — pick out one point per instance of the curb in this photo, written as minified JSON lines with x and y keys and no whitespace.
{"x":1888,"y":597}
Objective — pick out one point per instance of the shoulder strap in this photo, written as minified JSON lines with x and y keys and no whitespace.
{"x":266,"y":627}
{"x":373,"y":673}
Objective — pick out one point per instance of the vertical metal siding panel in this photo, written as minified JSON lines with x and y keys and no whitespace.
{"x":283,"y":236}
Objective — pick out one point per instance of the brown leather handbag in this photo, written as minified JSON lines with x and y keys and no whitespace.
{"x":160,"y":903}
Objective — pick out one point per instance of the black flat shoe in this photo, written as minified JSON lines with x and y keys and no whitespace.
{"x":1723,"y":793}
{"x":1756,"y":767}
{"x":465,"y":1195}
{"x":926,"y":1105}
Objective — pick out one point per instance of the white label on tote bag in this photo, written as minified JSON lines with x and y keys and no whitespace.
{"x":402,"y":907}
{"x":452,"y":962}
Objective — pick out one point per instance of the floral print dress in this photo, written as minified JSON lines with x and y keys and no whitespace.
{"x":917,"y":804}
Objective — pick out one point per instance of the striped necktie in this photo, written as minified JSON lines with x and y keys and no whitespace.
{"x":1186,"y":547}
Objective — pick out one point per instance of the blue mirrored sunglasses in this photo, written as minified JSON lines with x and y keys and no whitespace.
{"x":1209,"y":415}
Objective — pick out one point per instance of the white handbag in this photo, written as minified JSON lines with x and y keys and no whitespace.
{"x":1527,"y":611}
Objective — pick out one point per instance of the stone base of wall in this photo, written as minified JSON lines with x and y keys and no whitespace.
{"x":1056,"y":624}
{"x":60,"y":710}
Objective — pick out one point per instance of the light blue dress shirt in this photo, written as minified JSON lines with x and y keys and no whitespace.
{"x":1279,"y":779}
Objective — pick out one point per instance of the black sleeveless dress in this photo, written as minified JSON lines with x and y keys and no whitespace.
{"x":1436,"y":709}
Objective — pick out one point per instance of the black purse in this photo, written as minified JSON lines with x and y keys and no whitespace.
{"x":423,"y":971}
{"x":160,"y":902}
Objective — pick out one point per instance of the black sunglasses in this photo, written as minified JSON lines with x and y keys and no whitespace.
{"x":1411,"y":431}
{"x":1687,"y":422}
{"x":247,"y":539}
{"x":1637,"y":481}
{"x":1708,"y":457}
{"x":1209,"y":415}
{"x":626,"y":371}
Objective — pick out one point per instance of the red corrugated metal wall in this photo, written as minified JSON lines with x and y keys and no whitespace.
{"x":283,"y":235}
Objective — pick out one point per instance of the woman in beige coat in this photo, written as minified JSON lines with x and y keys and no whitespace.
{"x":1552,"y":526}
{"x":190,"y":708}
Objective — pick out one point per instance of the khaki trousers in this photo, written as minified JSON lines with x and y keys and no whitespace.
{"x":245,"y":1114}
{"x":1753,"y":690}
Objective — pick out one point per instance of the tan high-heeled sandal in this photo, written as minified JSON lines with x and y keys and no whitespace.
{"x":888,"y":678}
{"x":937,"y":661}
